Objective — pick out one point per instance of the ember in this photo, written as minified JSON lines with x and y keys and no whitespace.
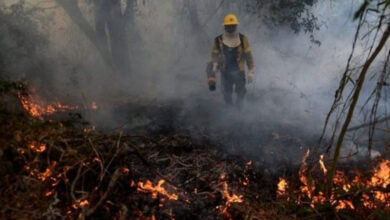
{"x":45,"y":175}
{"x":38,"y":149}
{"x":156,"y":190}
{"x":83,"y":203}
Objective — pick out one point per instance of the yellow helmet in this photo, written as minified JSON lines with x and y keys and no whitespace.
{"x":231,"y":19}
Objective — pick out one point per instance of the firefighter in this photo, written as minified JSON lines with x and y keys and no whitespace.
{"x":230,"y":54}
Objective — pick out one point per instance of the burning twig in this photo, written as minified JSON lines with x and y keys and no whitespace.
{"x":156,"y":190}
{"x":322,"y":164}
{"x":230,"y":198}
{"x":344,"y":192}
{"x":110,"y":187}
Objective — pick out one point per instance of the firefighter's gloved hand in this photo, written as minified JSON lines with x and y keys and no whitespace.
{"x":212,"y":83}
{"x":251,"y":76}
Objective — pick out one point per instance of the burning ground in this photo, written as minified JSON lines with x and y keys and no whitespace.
{"x":94,"y":136}
{"x":66,"y":169}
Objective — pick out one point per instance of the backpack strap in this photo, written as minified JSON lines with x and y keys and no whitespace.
{"x":242,"y":42}
{"x":218,"y":41}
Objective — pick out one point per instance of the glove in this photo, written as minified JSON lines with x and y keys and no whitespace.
{"x":251,"y":76}
{"x":212,"y":83}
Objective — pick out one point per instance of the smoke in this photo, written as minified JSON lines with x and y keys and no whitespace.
{"x":285,"y":107}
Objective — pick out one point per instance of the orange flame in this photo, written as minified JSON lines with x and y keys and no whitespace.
{"x":381,"y":175}
{"x":156,"y":190}
{"x":307,"y":188}
{"x":322,"y":164}
{"x":381,"y":178}
{"x":37,"y":108}
{"x":375,"y":196}
{"x":49,"y":193}
{"x":84,"y":203}
{"x":318,"y":199}
{"x":282,"y":187}
{"x":343,"y":204}
{"x":33,"y":146}
{"x":230,"y":198}
{"x":45,"y":175}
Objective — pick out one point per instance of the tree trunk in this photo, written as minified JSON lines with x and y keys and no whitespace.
{"x":73,"y":11}
{"x":116,"y":25}
{"x":111,"y":29}
{"x":197,"y":28}
{"x":110,"y":35}
{"x":355,"y":99}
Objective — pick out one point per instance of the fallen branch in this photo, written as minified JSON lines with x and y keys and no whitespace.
{"x":111,"y":185}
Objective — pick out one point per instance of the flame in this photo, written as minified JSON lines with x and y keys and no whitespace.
{"x":33,"y":146}
{"x":80,"y":203}
{"x":83,"y":203}
{"x":45,"y":175}
{"x":381,"y":175}
{"x":367,"y":202}
{"x":318,"y":199}
{"x":307,"y":188}
{"x":49,"y":193}
{"x":381,"y":178}
{"x":156,"y":190}
{"x":282,"y":186}
{"x":322,"y":164}
{"x":97,"y":160}
{"x":230,"y":198}
{"x":375,"y":194}
{"x":245,"y":182}
{"x":37,"y":108}
{"x":343,"y":204}
{"x":340,"y":180}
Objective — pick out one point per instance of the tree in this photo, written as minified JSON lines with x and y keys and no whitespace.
{"x":293,"y":13}
{"x":374,"y":15}
{"x":21,"y":44}
{"x":109,"y":35}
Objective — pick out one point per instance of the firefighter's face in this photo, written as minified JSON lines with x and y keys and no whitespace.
{"x":230,"y":28}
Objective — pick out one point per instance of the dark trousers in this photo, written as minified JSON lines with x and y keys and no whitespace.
{"x":234,"y":79}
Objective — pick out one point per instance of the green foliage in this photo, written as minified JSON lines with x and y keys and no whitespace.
{"x":295,"y":14}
